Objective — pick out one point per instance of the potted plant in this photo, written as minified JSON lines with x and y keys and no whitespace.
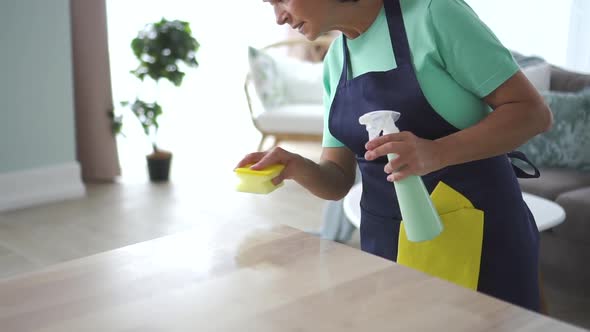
{"x":160,"y":48}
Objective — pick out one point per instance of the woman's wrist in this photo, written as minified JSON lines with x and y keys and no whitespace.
{"x":447,"y":149}
{"x":303,"y":168}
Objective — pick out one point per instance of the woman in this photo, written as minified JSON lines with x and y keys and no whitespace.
{"x":438,"y":65}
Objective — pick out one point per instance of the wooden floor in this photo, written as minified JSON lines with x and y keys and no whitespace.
{"x":134,"y":210}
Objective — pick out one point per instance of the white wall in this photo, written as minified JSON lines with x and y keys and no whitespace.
{"x":36,"y":96}
{"x":533,"y":27}
{"x":37,"y":136}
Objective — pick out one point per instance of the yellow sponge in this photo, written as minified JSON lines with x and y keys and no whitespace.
{"x":258,"y":181}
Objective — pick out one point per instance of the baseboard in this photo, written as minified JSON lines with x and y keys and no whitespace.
{"x":40,"y":186}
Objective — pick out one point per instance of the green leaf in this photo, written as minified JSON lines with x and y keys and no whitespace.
{"x":163,"y":44}
{"x":160,"y":48}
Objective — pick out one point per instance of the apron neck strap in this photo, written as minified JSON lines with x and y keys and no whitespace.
{"x":397,"y":35}
{"x":397,"y":32}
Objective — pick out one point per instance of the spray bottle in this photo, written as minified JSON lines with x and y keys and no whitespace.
{"x":421,"y":221}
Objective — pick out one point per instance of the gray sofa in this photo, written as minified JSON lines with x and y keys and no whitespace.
{"x":565,"y":249}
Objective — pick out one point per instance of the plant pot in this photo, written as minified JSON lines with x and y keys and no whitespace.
{"x":159,"y":165}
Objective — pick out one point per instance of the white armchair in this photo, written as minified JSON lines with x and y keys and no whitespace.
{"x":299,"y":114}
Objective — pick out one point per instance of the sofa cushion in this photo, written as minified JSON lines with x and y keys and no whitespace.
{"x":539,"y":74}
{"x":566,"y":144}
{"x":564,"y":263}
{"x":554,"y":181}
{"x":293,"y":119}
{"x":576,"y":204}
{"x":565,"y":80}
{"x":536,"y":69}
{"x":526,"y":60}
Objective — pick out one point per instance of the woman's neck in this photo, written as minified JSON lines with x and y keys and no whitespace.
{"x":357,"y":17}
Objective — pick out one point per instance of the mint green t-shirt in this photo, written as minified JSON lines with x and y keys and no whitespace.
{"x":457,"y":59}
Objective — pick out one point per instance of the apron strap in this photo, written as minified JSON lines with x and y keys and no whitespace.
{"x":520,"y":173}
{"x":397,"y":35}
{"x":397,"y":32}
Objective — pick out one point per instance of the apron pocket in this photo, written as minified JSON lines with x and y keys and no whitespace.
{"x":454,"y":255}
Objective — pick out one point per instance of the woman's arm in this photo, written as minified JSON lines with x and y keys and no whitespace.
{"x":331,"y":179}
{"x":519,"y":114}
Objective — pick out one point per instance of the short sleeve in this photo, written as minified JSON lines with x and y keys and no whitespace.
{"x":330,"y":63}
{"x":469,"y":50}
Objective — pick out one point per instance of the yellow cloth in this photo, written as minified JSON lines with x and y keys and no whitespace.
{"x":454,"y":255}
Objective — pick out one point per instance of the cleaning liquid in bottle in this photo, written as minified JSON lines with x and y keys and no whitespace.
{"x":420,"y":218}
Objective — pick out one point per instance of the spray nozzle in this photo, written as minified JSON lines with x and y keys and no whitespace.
{"x":378,"y":121}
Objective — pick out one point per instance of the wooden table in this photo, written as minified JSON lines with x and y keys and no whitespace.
{"x":240,"y":277}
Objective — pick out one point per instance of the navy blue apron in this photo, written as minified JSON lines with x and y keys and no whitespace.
{"x":509,"y":255}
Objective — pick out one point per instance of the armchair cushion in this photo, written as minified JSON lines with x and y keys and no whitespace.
{"x":295,"y":119}
{"x":268,"y":84}
{"x":281,"y":80}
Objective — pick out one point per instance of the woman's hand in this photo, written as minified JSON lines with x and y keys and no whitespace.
{"x":274,"y":156}
{"x":331,"y":179}
{"x":416,"y":156}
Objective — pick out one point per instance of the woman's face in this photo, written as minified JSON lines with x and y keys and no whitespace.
{"x":310,"y":17}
